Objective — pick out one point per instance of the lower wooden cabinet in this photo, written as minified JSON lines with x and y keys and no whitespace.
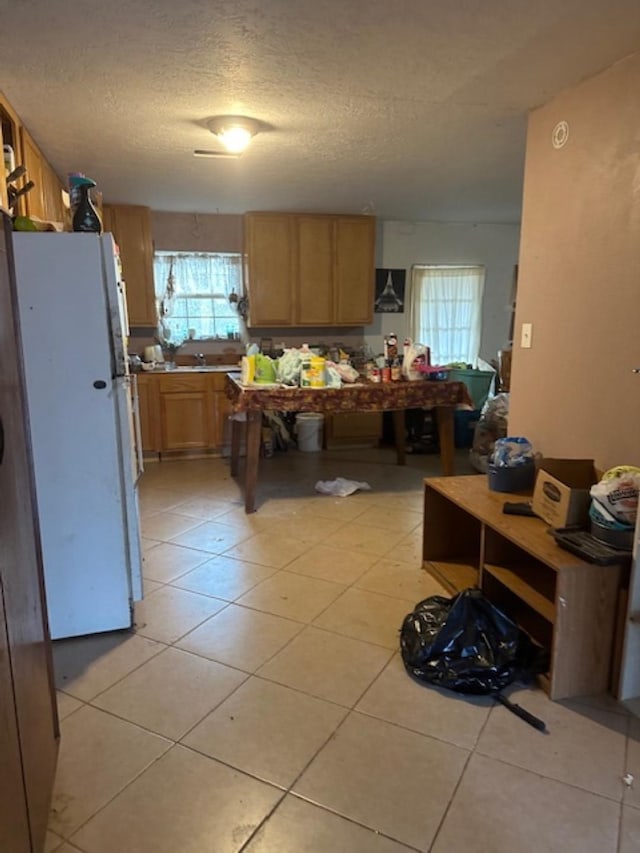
{"x":149,"y":412}
{"x":353,"y":429}
{"x":182,"y":411}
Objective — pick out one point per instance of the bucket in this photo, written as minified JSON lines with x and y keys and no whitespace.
{"x":309,"y":431}
{"x":520,"y":478}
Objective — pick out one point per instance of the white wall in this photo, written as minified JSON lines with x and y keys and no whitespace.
{"x":494,"y":246}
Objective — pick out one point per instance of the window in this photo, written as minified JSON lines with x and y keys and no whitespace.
{"x":446,"y":311}
{"x":192,"y":294}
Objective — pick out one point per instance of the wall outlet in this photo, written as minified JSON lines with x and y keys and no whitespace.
{"x":527,"y":334}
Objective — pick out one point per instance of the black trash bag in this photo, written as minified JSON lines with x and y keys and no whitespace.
{"x":466,"y":644}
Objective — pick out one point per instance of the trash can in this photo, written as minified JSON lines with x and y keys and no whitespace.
{"x":309,"y":431}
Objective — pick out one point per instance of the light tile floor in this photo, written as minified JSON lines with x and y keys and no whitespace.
{"x":261,"y":704}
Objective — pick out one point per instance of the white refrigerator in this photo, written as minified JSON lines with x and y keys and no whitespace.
{"x":82,"y":414}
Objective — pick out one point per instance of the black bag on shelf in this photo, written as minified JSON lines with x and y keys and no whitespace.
{"x":466,"y":644}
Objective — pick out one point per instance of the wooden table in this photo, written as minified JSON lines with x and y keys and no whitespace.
{"x":362,"y":397}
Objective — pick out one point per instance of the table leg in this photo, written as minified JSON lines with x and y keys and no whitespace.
{"x":445,"y":437}
{"x":398,"y":431}
{"x":236,"y":432}
{"x":254,"y":425}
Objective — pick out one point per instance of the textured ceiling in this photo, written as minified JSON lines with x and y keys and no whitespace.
{"x":408,"y":109}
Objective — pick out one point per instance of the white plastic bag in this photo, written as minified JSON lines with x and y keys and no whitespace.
{"x":340,"y":487}
{"x":618,"y":496}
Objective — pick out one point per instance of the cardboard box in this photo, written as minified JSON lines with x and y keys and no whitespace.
{"x":561,"y":492}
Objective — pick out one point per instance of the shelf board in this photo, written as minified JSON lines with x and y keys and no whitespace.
{"x":523,"y":590}
{"x":452,"y":575}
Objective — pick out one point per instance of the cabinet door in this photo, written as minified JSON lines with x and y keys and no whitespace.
{"x":221,"y":411}
{"x":185,"y":420}
{"x":354,"y":428}
{"x":32,"y":159}
{"x":354,"y":269}
{"x":54,"y":209}
{"x":131,"y":228}
{"x":45,"y":199}
{"x":148,"y":408}
{"x":9,"y":135}
{"x":27,"y":698}
{"x":270,"y":258}
{"x":315,"y":262}
{"x":14,"y":820}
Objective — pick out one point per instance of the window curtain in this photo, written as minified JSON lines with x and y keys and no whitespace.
{"x":194,"y":274}
{"x":445,"y":311}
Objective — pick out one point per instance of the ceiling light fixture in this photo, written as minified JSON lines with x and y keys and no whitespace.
{"x":234,"y":132}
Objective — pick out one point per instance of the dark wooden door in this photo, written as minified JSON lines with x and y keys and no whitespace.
{"x":28,"y":719}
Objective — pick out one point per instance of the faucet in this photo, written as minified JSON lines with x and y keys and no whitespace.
{"x":200,"y":359}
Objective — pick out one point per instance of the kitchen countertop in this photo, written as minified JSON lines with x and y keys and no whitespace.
{"x":196,"y":368}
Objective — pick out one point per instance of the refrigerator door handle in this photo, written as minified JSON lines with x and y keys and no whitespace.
{"x":135,"y":410}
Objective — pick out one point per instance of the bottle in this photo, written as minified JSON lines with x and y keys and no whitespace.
{"x":390,"y":346}
{"x":86,"y":217}
{"x":305,"y":366}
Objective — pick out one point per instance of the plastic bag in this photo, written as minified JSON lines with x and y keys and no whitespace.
{"x":466,"y":644}
{"x":491,"y":426}
{"x":340,"y":487}
{"x":512,"y":451}
{"x":347,"y":372}
{"x":616,"y":498}
{"x":332,"y":377}
{"x":414,"y":357}
{"x":288,"y":369}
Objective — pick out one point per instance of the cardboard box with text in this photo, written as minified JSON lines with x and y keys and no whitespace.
{"x":561,"y":493}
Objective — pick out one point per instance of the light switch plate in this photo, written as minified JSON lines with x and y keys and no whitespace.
{"x":527,"y":334}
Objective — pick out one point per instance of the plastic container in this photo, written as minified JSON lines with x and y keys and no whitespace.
{"x":464,"y":424}
{"x":309,"y":431}
{"x":478,"y":383}
{"x":312,"y":372}
{"x":520,"y":478}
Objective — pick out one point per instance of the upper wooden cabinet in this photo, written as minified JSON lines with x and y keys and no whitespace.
{"x":44,"y":201}
{"x":131,"y":227}
{"x":270,"y":268}
{"x":309,"y":269}
{"x":354,"y":242}
{"x":34,"y":201}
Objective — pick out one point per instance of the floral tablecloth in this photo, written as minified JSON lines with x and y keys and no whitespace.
{"x":361,"y":397}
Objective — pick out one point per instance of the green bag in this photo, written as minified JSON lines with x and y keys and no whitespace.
{"x":265,"y":369}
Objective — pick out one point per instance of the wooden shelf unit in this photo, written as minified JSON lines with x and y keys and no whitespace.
{"x":564,"y":603}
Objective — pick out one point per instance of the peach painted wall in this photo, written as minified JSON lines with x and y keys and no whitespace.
{"x":573,"y":393}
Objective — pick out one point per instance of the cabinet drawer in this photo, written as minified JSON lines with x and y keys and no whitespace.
{"x":182,"y":382}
